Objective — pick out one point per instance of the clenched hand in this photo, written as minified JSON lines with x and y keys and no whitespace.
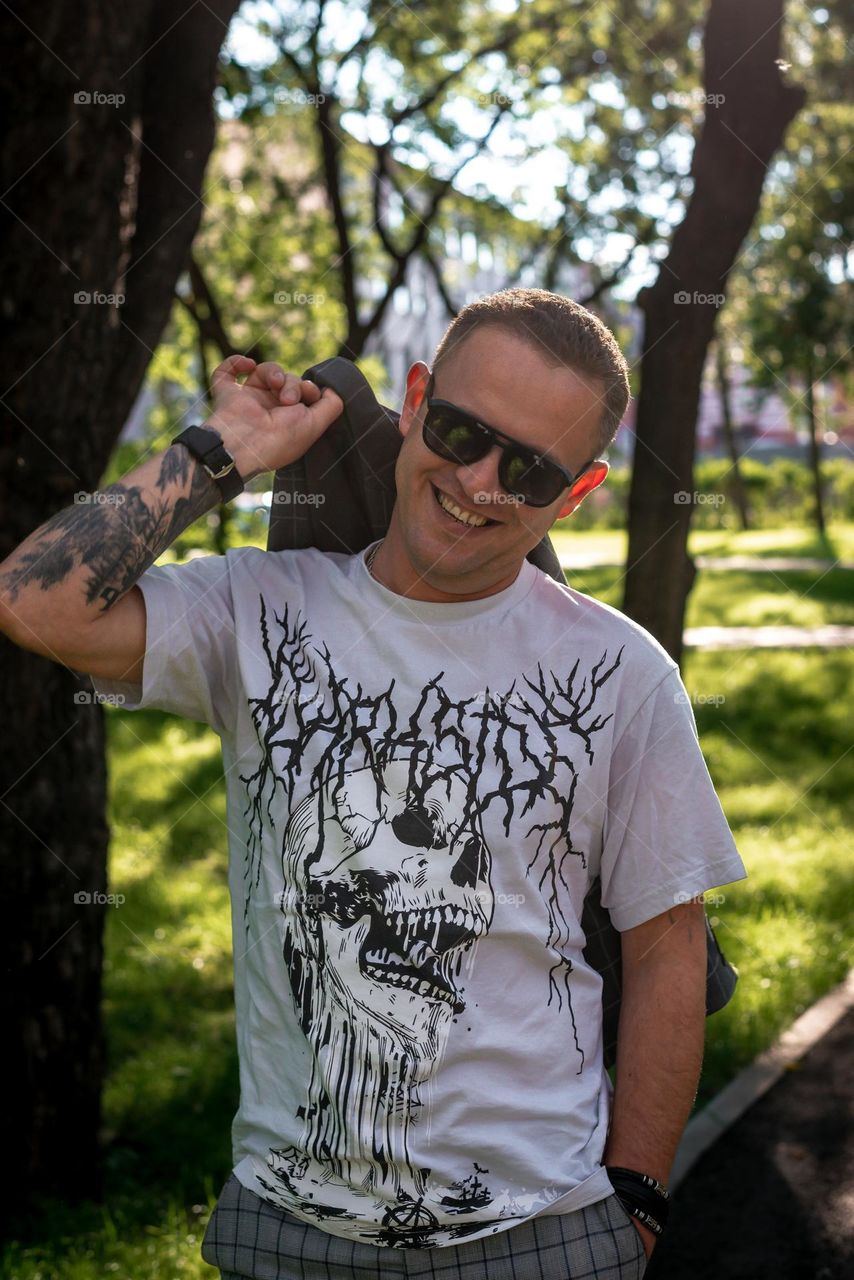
{"x":272,"y":418}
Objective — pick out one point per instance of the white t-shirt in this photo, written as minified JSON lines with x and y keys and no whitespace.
{"x":419,"y":797}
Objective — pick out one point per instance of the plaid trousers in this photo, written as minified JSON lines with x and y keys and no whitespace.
{"x":249,"y":1239}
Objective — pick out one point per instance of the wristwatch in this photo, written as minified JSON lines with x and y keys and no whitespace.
{"x":206,"y":444}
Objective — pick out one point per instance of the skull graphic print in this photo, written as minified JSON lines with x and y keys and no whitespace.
{"x":386,"y":896}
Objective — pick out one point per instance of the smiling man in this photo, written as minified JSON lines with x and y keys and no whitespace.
{"x":432,"y":749}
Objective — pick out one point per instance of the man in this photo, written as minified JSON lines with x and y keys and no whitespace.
{"x":430,"y":751}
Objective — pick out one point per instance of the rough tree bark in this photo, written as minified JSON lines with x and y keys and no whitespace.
{"x":742,"y":130}
{"x":99,"y":197}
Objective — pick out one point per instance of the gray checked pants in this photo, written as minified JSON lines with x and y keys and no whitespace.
{"x":249,"y":1239}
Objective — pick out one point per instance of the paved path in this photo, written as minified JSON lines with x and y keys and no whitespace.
{"x":771,"y":564}
{"x":826,"y":637}
{"x":775,"y":637}
{"x":773,"y":1199}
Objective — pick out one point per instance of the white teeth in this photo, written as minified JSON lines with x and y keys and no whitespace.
{"x":465,"y":517}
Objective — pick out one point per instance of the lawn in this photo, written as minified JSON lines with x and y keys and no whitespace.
{"x":744,"y":598}
{"x":611,"y":544}
{"x":732,"y":597}
{"x":774,"y":729}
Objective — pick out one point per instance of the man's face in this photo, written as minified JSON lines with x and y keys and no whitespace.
{"x":506,"y":383}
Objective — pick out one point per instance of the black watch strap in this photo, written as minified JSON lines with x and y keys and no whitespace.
{"x":206,"y":444}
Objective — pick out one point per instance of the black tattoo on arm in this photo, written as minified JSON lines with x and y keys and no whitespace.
{"x":117,"y":536}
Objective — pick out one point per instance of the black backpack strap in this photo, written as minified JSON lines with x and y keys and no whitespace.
{"x":339,"y":495}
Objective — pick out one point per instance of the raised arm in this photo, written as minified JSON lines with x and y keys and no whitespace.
{"x":68,"y":590}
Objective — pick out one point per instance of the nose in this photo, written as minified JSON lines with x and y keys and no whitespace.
{"x":481,"y":477}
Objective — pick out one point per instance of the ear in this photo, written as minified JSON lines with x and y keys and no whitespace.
{"x":416,"y":389}
{"x":584,"y":485}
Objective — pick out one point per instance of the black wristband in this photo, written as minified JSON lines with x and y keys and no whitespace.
{"x":641,"y":1195}
{"x":206,"y":445}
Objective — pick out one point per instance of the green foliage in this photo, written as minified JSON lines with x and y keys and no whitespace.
{"x":792,"y":296}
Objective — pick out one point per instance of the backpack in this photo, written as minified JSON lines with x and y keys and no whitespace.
{"x":352,"y":467}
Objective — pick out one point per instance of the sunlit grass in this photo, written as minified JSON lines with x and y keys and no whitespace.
{"x":778,"y":748}
{"x":612,"y":544}
{"x":736,"y":598}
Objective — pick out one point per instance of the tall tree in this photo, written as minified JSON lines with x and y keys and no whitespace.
{"x":749,"y":107}
{"x":108,"y":125}
{"x":722,"y":377}
{"x":798,"y":306}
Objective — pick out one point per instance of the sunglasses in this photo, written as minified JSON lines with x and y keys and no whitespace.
{"x":524,"y":472}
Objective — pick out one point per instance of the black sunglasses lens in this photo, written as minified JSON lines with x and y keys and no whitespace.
{"x":529,"y":477}
{"x":455,"y":438}
{"x":461,"y":439}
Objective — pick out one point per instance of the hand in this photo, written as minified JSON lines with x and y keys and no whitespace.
{"x":270,"y":420}
{"x":648,"y":1238}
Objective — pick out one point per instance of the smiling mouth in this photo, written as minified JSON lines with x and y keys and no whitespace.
{"x":465,"y":519}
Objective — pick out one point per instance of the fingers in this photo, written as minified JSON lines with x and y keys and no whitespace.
{"x":327,"y":407}
{"x":286,"y":387}
{"x":226,"y":373}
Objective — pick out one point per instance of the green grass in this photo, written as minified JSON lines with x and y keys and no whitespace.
{"x":740,"y":598}
{"x":611,"y":544}
{"x":778,"y":748}
{"x":773,"y":727}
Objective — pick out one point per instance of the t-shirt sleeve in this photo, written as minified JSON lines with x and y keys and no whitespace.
{"x":190,"y":666}
{"x":665,"y":837}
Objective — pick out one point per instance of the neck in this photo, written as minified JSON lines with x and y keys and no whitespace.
{"x":396,"y":574}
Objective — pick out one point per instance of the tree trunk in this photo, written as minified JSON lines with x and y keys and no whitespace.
{"x":739,"y":491}
{"x":109,"y":126}
{"x":814,"y":449}
{"x":740,"y":135}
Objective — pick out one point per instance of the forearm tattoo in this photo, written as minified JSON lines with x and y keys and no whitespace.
{"x":115,"y":540}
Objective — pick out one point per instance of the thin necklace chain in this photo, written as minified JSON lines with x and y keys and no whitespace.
{"x":372,"y":555}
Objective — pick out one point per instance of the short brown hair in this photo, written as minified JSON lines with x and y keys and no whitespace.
{"x":563,"y":331}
